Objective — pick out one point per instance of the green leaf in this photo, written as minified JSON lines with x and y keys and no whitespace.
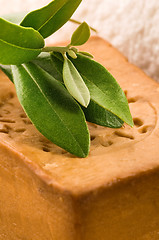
{"x":81,"y":35}
{"x":104,"y":89}
{"x":7,"y":70}
{"x":52,"y":67}
{"x":93,"y":113}
{"x":51,"y":108}
{"x":74,"y":83}
{"x":72,"y":54}
{"x":58,"y":60}
{"x":86,"y":54}
{"x":50,"y":18}
{"x":18,"y":44}
{"x":96,"y":114}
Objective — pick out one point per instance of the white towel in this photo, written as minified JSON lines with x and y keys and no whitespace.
{"x":130,"y":25}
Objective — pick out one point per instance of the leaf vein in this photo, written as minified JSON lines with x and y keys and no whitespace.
{"x":16,"y":46}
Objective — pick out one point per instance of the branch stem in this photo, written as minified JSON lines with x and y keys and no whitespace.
{"x":78,"y":22}
{"x":55,"y":49}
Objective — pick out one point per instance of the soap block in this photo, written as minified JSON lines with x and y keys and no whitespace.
{"x":113,"y":194}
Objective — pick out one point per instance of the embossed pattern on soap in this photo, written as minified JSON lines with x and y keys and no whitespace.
{"x":14,"y":123}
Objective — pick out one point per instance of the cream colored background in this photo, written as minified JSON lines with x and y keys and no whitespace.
{"x":130,"y":25}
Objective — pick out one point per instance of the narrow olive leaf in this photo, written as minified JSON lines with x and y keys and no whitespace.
{"x":72,"y":54}
{"x":51,"y":108}
{"x":81,"y":35}
{"x":74,"y":83}
{"x":96,"y":114}
{"x":50,"y":18}
{"x":56,"y":56}
{"x":104,"y":89}
{"x":18,"y":44}
{"x":86,"y":54}
{"x":7,"y":70}
{"x":93,"y":113}
{"x":52,"y":67}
